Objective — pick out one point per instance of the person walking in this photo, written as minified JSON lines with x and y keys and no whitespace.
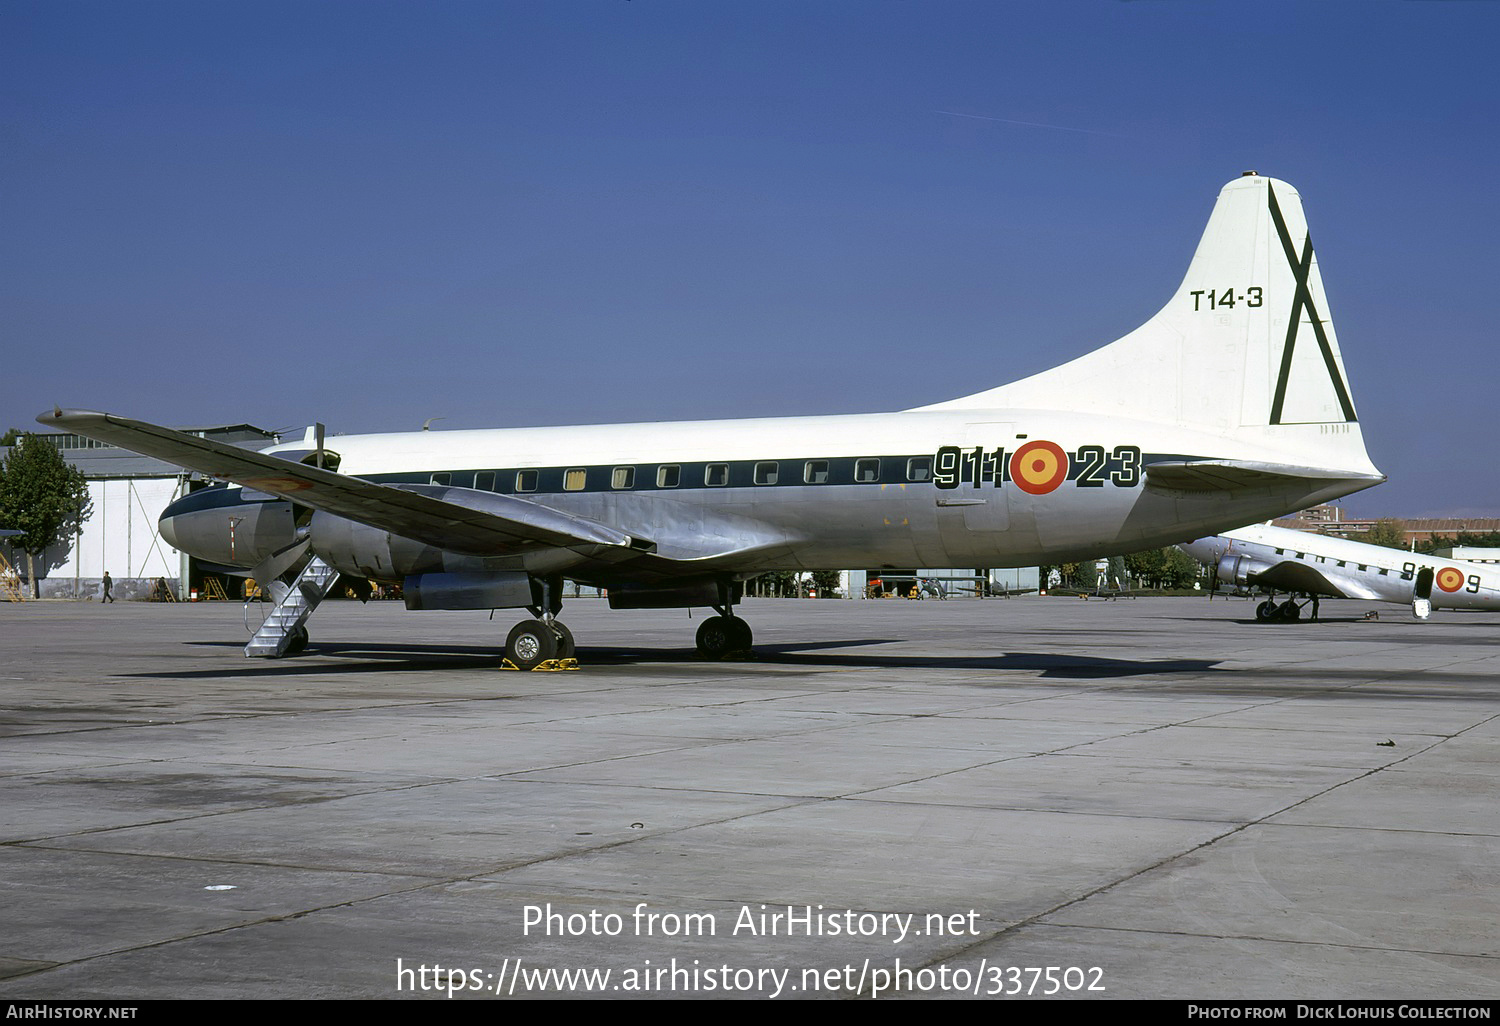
{"x":108,"y":584}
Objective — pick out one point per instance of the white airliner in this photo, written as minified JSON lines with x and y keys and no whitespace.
{"x":1230,"y":405}
{"x":1308,"y":566}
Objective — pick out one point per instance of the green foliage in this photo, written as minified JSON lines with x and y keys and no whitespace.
{"x":827,"y":582}
{"x":1389,"y":533}
{"x":9,"y":438}
{"x":777,"y":584}
{"x":1163,"y":568}
{"x":40,"y":495}
{"x":1475,"y":539}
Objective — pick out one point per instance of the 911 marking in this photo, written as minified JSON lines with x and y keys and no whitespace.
{"x":1251,"y":297}
{"x":1037,"y":467}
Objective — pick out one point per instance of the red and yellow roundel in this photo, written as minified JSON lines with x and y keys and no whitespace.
{"x":1450,"y":578}
{"x":1038,"y":467}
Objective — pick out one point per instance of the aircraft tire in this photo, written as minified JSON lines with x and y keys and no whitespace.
{"x":741,"y":637}
{"x":565,"y":647}
{"x":1291,"y":611}
{"x":530,"y":644}
{"x":1266,"y":611}
{"x":715,"y":637}
{"x":298,"y":643}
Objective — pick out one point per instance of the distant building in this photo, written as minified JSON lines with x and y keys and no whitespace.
{"x":965,"y":583}
{"x":1329,"y":519}
{"x":1472,"y":553}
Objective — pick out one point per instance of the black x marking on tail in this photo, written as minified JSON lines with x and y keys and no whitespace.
{"x":1301,"y":269}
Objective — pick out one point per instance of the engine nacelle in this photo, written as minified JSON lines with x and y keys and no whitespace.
{"x":1236,"y":570}
{"x":355,"y":548}
{"x":506,"y":589}
{"x":684,"y":595}
{"x":232,"y":526}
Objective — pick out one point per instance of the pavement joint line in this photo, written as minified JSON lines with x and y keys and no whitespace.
{"x":1169,"y":859}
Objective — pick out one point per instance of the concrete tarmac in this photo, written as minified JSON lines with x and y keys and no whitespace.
{"x":1158,"y":797}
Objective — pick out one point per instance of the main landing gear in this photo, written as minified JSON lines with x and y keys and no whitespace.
{"x":1270,"y":611}
{"x":534,"y":642}
{"x":531,"y":643}
{"x":724,"y":635}
{"x":721,"y":636}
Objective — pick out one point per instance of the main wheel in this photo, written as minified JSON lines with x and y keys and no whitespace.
{"x":565,"y":646}
{"x":719,"y":636}
{"x":740,"y":635}
{"x":531,"y":643}
{"x":1266,"y":611}
{"x":1291,"y":611}
{"x":714,"y":637}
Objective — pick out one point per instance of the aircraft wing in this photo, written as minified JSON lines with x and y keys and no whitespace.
{"x":508,"y":525}
{"x":1238,"y":476}
{"x":1292,"y":576}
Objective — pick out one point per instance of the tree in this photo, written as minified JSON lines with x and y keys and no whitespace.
{"x":42,"y":497}
{"x":9,"y":438}
{"x":1390,"y":533}
{"x":827,"y":583}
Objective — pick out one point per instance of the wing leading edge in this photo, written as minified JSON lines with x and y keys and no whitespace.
{"x":508,"y":524}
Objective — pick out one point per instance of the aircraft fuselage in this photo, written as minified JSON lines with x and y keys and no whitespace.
{"x":978,"y":488}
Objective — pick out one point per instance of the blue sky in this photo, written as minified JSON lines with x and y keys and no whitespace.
{"x":577,"y":211}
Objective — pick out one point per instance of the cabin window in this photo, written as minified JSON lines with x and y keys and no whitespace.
{"x":767,"y":472}
{"x":669,"y":476}
{"x":1342,"y":563}
{"x":441,"y":478}
{"x":485,"y":480}
{"x":526,"y":480}
{"x":623,"y":477}
{"x":1363,"y":567}
{"x":815,"y":472}
{"x":867,"y":470}
{"x":716,"y":475}
{"x":919,"y":468}
{"x":574,"y":478}
{"x":1383,"y":572}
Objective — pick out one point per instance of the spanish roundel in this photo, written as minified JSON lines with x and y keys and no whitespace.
{"x":1450,"y":578}
{"x":1039,"y":467}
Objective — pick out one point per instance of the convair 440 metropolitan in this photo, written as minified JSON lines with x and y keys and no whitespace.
{"x":1306,"y":566}
{"x":1230,"y":405}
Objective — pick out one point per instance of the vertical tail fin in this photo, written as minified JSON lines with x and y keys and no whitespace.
{"x":1245,"y":347}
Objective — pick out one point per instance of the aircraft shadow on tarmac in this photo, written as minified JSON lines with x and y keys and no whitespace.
{"x":1180,"y":675}
{"x":364,"y":657}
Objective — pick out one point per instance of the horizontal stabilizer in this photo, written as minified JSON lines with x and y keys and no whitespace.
{"x":507,"y":525}
{"x":1243,"y":476}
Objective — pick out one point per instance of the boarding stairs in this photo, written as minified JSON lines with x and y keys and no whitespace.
{"x":10,"y":582}
{"x":284,"y":625}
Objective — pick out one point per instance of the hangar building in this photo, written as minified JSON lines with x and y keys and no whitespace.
{"x":129,"y":492}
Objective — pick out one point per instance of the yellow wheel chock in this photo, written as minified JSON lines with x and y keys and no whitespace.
{"x":546,"y":666}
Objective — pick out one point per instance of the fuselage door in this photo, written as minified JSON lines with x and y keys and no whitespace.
{"x":1421,"y":600}
{"x":973,"y":511}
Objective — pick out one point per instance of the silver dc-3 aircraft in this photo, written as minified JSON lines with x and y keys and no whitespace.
{"x":1231,"y":404}
{"x":1309,"y":566}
